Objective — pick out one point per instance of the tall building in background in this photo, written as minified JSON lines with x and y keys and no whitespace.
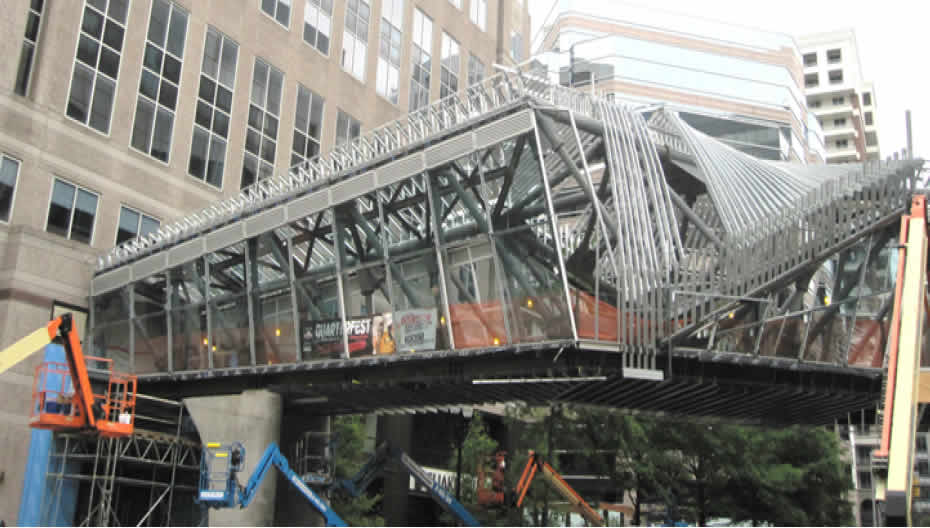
{"x":740,"y":85}
{"x":118,"y":115}
{"x":844,"y":103}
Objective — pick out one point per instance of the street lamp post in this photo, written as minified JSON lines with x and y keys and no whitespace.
{"x":463,"y":432}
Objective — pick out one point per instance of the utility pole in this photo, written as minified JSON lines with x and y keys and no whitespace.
{"x":910,"y":143}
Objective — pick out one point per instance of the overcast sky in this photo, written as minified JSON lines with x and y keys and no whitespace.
{"x":893,"y":38}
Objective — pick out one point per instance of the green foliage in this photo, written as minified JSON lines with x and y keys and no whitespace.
{"x":349,"y":456}
{"x":477,"y":445}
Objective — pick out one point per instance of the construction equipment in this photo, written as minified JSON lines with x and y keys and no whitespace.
{"x":63,"y":397}
{"x":219,"y":484}
{"x":893,"y":462}
{"x":365,"y":476}
{"x":496,"y":494}
{"x":535,"y":464}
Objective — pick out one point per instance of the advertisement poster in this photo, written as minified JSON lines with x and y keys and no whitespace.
{"x":323,"y":339}
{"x":415,"y":329}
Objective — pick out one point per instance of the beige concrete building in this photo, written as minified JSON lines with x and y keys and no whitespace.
{"x":844,"y":103}
{"x":118,"y":115}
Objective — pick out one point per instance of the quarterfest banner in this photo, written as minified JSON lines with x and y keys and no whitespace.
{"x":380,"y":334}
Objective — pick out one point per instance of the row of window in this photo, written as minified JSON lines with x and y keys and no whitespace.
{"x":812,"y":80}
{"x":96,"y":72}
{"x":72,"y":210}
{"x":834,"y":56}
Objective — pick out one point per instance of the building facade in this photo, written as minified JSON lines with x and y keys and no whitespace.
{"x":740,"y":85}
{"x":843,"y":102}
{"x":119,"y":115}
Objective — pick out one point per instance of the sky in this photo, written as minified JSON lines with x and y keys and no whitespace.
{"x":893,"y":38}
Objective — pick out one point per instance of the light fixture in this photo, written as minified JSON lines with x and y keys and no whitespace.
{"x":529,"y":303}
{"x":214,"y":348}
{"x":496,"y":341}
{"x":442,"y":319}
{"x":496,"y":381}
{"x":731,"y":315}
{"x":826,"y":300}
{"x":206,"y":341}
{"x":277,"y":332}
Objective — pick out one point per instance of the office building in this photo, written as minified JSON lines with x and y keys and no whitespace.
{"x":120,"y":115}
{"x":844,"y":103}
{"x":740,"y":85}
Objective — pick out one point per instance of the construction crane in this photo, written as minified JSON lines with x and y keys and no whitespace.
{"x":365,"y":476}
{"x":219,"y":484}
{"x":534,"y":465}
{"x":893,"y":461}
{"x":63,"y":397}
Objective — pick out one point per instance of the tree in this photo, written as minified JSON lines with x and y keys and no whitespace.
{"x":349,"y":456}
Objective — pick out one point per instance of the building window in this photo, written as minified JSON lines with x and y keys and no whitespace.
{"x":836,"y":76}
{"x":479,"y":14}
{"x":838,"y":101}
{"x":214,"y":105}
{"x":261,"y":132}
{"x":9,"y":173}
{"x":842,"y":143}
{"x":420,"y":62}
{"x":72,"y":212}
{"x":449,"y":66}
{"x":161,"y":75}
{"x":347,"y":128}
{"x":867,"y":99}
{"x":279,"y":10}
{"x":865,"y":480}
{"x":134,"y":224}
{"x":392,"y":22}
{"x":871,"y":139}
{"x":96,"y":65}
{"x":308,"y":124}
{"x":810,"y":59}
{"x":839,"y":122}
{"x":814,"y":103}
{"x":869,"y":121}
{"x":355,"y":38}
{"x":516,"y":46}
{"x":811,"y":80}
{"x":475,"y":70}
{"x":28,"y":53}
{"x":318,"y":22}
{"x":834,"y":56}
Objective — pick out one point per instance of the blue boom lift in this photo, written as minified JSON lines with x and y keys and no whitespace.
{"x":220,"y":488}
{"x":365,"y":476}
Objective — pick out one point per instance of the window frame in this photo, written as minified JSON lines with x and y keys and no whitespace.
{"x":19,"y":169}
{"x":355,"y":39}
{"x":265,"y":113}
{"x":48,"y":209}
{"x":329,"y":46}
{"x":74,"y":64}
{"x":812,"y":80}
{"x":474,"y":14}
{"x":415,"y":60}
{"x":447,"y":38}
{"x":385,"y":20}
{"x":809,"y":64}
{"x":138,"y":224}
{"x":350,"y":119}
{"x":305,"y":133}
{"x":830,"y":78}
{"x":194,"y":124}
{"x":474,"y":59}
{"x":35,"y":48}
{"x":274,"y":16}
{"x":172,"y":5}
{"x":839,"y":56}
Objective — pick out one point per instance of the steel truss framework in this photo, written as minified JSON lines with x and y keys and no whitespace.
{"x":525,"y":216}
{"x":147,"y":479}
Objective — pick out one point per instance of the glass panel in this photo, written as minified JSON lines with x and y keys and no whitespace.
{"x":112,"y":341}
{"x":475,"y":307}
{"x":103,"y":102}
{"x":161,"y":139}
{"x":198,"y":161}
{"x":211,"y":53}
{"x":9,"y":170}
{"x":217,"y":162}
{"x":189,"y":341}
{"x":145,"y":115}
{"x":59,"y":214}
{"x":82,"y":226}
{"x":128,"y":225}
{"x":316,"y":289}
{"x":177,"y":32}
{"x":79,"y":100}
{"x":271,"y":300}
{"x":274,"y":329}
{"x":149,"y":225}
{"x":229,"y":307}
{"x":228,"y":66}
{"x":158,"y":25}
{"x":111,"y":307}
{"x":151,"y":343}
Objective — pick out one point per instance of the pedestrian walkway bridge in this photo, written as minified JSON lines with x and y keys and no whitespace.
{"x":523,"y":241}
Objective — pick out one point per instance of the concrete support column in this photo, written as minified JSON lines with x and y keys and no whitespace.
{"x":253,"y":418}
{"x":398,"y":429}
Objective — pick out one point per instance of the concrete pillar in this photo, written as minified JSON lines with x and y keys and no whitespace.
{"x":398,"y":429}
{"x":253,"y":418}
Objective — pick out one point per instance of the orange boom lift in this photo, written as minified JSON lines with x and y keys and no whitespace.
{"x":62,"y":393}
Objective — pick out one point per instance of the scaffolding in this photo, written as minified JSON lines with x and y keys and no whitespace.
{"x":147,"y":479}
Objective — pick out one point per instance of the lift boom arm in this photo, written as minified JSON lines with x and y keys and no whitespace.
{"x":534,"y":464}
{"x":365,"y":476}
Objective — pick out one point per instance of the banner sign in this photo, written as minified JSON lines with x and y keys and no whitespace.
{"x":380,"y":334}
{"x":415,"y":329}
